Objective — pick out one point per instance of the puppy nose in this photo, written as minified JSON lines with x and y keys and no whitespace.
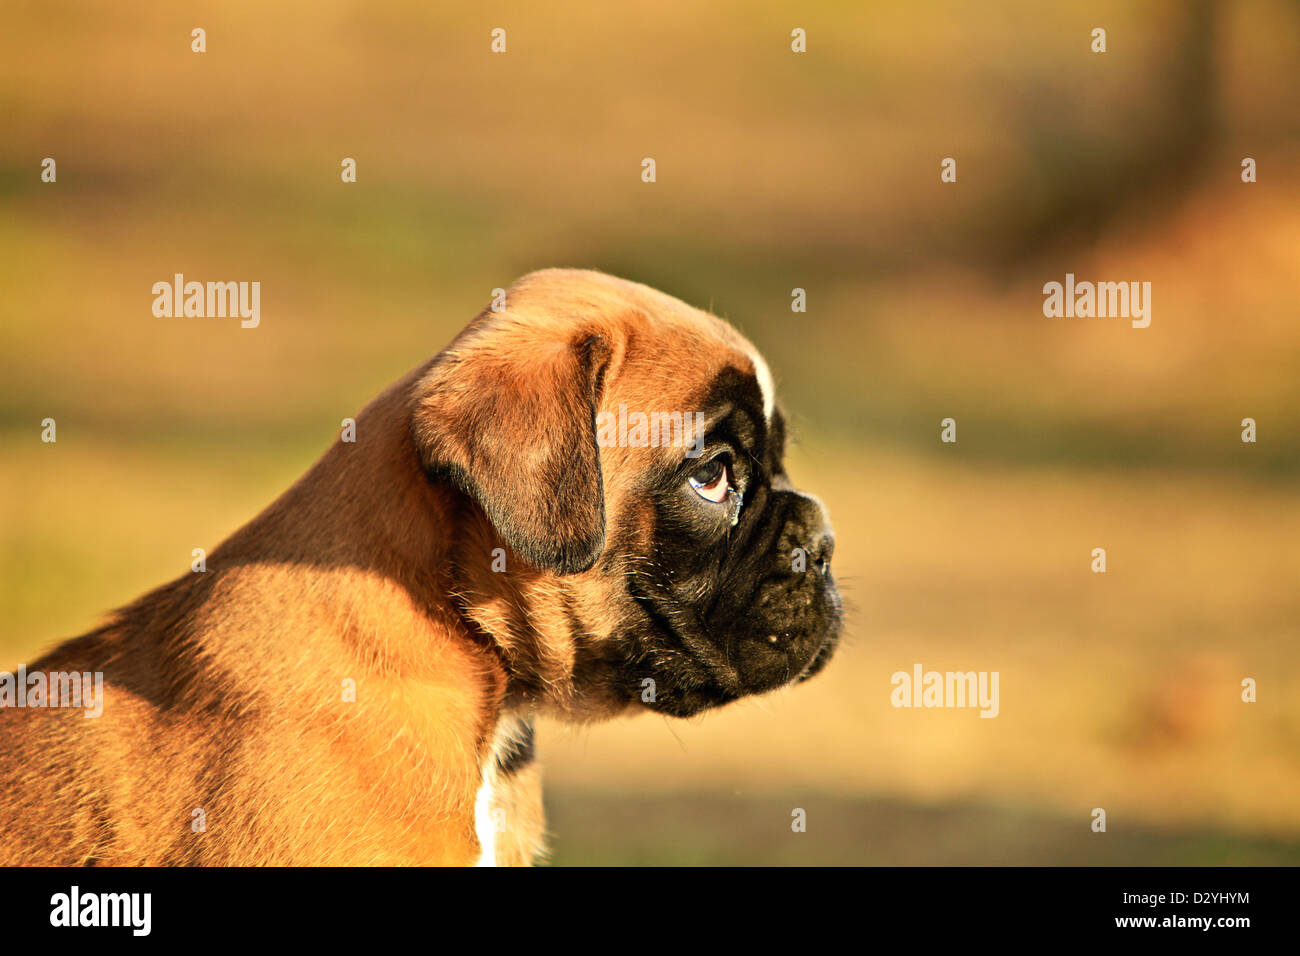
{"x":822,"y":548}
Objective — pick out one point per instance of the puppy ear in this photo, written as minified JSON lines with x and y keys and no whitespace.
{"x":508,"y":416}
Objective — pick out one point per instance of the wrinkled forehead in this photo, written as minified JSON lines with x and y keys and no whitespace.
{"x":666,"y":356}
{"x":698,"y":364}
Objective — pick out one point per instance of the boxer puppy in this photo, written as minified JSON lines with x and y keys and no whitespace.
{"x":352,"y":679}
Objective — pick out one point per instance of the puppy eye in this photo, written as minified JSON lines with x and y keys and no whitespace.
{"x":712,"y":481}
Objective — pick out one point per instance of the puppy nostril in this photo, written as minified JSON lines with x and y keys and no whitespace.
{"x":824,"y":548}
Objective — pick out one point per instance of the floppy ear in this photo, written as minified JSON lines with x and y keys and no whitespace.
{"x":508,"y":417}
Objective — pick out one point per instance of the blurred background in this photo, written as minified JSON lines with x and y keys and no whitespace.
{"x":775,"y":170}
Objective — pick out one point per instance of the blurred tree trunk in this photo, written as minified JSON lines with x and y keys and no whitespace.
{"x":1146,"y":164}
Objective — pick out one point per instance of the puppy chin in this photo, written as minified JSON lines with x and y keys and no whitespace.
{"x":687,"y":702}
{"x":765,"y":665}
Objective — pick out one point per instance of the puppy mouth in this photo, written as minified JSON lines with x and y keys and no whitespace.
{"x":820,"y":659}
{"x":830,"y":638}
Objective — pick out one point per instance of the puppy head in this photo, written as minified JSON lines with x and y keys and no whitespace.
{"x":628,"y":450}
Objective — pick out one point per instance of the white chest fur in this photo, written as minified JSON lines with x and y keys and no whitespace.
{"x":489,"y":814}
{"x":486,"y":819}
